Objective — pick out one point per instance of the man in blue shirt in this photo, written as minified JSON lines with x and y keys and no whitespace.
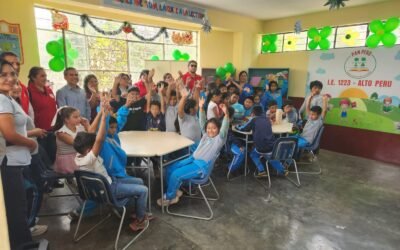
{"x":72,"y":95}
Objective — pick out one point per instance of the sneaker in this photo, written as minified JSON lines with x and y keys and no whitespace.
{"x":148,"y":217}
{"x":164,"y":202}
{"x":261,"y":174}
{"x":38,"y":230}
{"x":138,"y":225}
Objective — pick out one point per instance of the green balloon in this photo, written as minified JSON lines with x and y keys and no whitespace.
{"x":373,"y":41}
{"x":375,"y":25}
{"x":54,"y":48}
{"x":272,"y":48}
{"x":155,"y":58}
{"x":389,"y":40}
{"x":221,"y":72}
{"x":324,"y":44}
{"x":273,"y":38}
{"x":176,"y":54}
{"x":67,"y":43}
{"x":391,"y":24}
{"x":229,"y":67}
{"x":56,"y":64}
{"x":73,"y":53}
{"x":312,"y":45}
{"x":265,"y":38}
{"x":326,"y":31}
{"x":185,"y":56}
{"x":312,"y":32}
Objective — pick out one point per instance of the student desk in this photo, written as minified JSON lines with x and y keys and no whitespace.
{"x":148,"y":144}
{"x":280,"y":129}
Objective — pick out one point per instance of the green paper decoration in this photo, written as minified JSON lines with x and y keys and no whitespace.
{"x":178,"y":56}
{"x":56,"y":49}
{"x":319,"y":38}
{"x":269,"y":43}
{"x":155,"y":58}
{"x":226,"y":71}
{"x":382,"y":32}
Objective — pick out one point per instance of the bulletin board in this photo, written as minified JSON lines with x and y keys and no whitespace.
{"x":162,"y":67}
{"x":258,"y":77}
{"x":10,"y":39}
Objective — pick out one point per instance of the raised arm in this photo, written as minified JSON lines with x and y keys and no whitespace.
{"x":196,"y":91}
{"x":202,"y":114}
{"x":123,"y":112}
{"x":101,"y":133}
{"x":114,"y":91}
{"x":162,"y":101}
{"x":184,"y":94}
{"x":223,"y":132}
{"x":308,"y":105}
{"x":231,"y":81}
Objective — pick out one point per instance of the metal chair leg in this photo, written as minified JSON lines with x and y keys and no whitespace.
{"x":307,"y":163}
{"x":76,"y":238}
{"x":297,"y":175}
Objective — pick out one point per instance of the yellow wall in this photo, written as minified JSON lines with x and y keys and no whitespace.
{"x":298,"y":61}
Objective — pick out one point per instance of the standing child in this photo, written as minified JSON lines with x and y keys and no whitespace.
{"x":197,"y":165}
{"x":314,"y":99}
{"x":213,"y":110}
{"x":248,"y":106}
{"x":155,"y":119}
{"x":171,"y":111}
{"x":273,"y":93}
{"x":88,"y":146}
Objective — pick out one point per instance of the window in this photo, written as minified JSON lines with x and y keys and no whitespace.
{"x":351,"y":36}
{"x":103,"y":55}
{"x":295,"y":42}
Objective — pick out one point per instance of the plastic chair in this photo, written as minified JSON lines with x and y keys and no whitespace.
{"x":283,"y":152}
{"x":200,"y":183}
{"x":95,"y":187}
{"x":312,"y":148}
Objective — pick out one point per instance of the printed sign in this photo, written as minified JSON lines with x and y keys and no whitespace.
{"x":363,"y":86}
{"x":10,"y":39}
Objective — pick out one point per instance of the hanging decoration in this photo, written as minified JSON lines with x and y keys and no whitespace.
{"x":206,"y":25}
{"x":382,"y":32}
{"x":297,"y":27}
{"x":179,"y":56}
{"x":225,"y":72}
{"x":319,"y":38}
{"x":182,"y":38}
{"x":59,"y":61}
{"x":125,"y":27}
{"x":290,"y":43}
{"x":335,"y":4}
{"x":269,"y":43}
{"x":350,"y":37}
{"x":154,"y":58}
{"x":59,"y":21}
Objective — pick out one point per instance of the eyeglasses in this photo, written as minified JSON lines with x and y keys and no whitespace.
{"x":193,"y":65}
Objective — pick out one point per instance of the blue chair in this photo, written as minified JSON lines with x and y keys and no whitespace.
{"x":283,"y":153}
{"x":200,"y":183}
{"x":312,"y":148}
{"x":95,"y":187}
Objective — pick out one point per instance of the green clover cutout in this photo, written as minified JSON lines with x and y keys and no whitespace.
{"x":269,"y":43}
{"x":319,"y":38}
{"x":382,"y":33}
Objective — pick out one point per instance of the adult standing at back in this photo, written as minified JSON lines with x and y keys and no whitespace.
{"x":72,"y":95}
{"x":190,"y":78}
{"x":13,"y":59}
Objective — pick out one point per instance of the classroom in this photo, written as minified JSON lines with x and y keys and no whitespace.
{"x":188,"y":124}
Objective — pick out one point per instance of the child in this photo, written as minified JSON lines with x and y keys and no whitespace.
{"x":66,"y":125}
{"x":248,"y":106}
{"x":155,"y":119}
{"x":171,"y":110}
{"x":274,"y":93}
{"x":213,"y":110}
{"x":225,"y":99}
{"x":136,"y":119}
{"x":290,"y":113}
{"x":273,"y":112}
{"x":316,"y":99}
{"x":222,"y":88}
{"x":239,"y":109}
{"x":310,"y":130}
{"x":257,"y":100}
{"x":196,"y":166}
{"x":262,"y":136}
{"x":88,"y":146}
{"x":236,"y":147}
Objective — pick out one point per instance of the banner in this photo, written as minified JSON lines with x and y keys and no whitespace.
{"x":362,"y":86}
{"x":160,"y":8}
{"x":10,"y":39}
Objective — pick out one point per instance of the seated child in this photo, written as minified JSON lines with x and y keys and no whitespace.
{"x":239,"y":109}
{"x":155,"y":119}
{"x":273,"y":112}
{"x":88,"y":146}
{"x":257,"y":100}
{"x":196,"y":166}
{"x":248,"y":106}
{"x":232,"y":88}
{"x":171,"y":110}
{"x":263,"y":139}
{"x":222,"y":88}
{"x":290,"y":113}
{"x":235,"y":146}
{"x":274,"y":93}
{"x":310,"y":130}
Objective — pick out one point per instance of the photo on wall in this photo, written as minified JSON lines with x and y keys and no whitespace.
{"x":260,"y":78}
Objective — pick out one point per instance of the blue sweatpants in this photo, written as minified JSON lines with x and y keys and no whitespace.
{"x":181,"y":171}
{"x":255,"y":156}
{"x":238,"y":157}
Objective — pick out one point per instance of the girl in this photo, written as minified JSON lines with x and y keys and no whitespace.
{"x":91,"y":86}
{"x":120,"y":89}
{"x":196,"y":166}
{"x":247,"y":89}
{"x":214,"y":99}
{"x":67,"y":125}
{"x":273,"y":94}
{"x":15,"y":155}
{"x":141,"y":84}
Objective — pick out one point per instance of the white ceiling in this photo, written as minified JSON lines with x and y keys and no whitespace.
{"x":271,"y":9}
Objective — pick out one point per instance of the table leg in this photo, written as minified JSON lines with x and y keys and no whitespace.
{"x":245,"y":159}
{"x":162,"y":183}
{"x":149,"y":181}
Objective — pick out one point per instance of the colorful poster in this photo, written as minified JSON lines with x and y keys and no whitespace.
{"x":161,"y":8}
{"x":10,"y":39}
{"x":362,"y":85}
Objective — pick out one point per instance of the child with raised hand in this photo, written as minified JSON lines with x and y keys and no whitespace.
{"x":290,"y":113}
{"x":273,"y":93}
{"x":155,"y":119}
{"x":197,"y":165}
{"x":214,"y":99}
{"x":88,"y":146}
{"x":274,"y":113}
{"x":171,"y":110}
{"x":314,"y":99}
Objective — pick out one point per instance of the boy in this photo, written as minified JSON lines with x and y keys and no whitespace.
{"x":315,"y":98}
{"x":239,"y":109}
{"x":171,"y":111}
{"x":88,"y":146}
{"x":248,"y":106}
{"x":273,"y":111}
{"x":262,"y":136}
{"x":290,"y":113}
{"x":136,"y":119}
{"x":310,"y":130}
{"x":155,"y":119}
{"x":222,"y":88}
